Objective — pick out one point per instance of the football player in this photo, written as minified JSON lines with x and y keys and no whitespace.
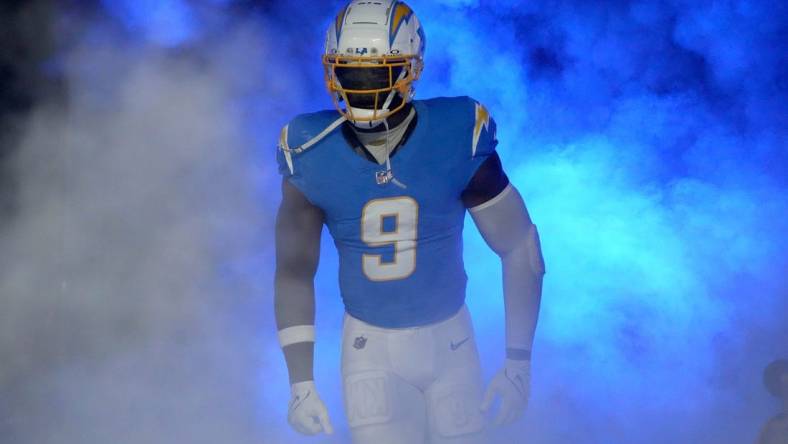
{"x":392,"y":178}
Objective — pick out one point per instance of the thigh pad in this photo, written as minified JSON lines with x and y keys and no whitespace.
{"x":369,"y":397}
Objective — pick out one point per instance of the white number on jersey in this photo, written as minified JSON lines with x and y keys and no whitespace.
{"x":405,"y":212}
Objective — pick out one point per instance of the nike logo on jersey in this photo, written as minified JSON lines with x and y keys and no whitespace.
{"x":459,"y":344}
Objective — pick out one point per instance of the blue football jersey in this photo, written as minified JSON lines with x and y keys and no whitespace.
{"x":400,"y":249}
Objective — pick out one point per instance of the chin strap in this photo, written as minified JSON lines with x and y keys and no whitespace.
{"x":389,"y":174}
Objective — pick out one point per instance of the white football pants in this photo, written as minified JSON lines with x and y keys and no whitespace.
{"x":413,"y":385}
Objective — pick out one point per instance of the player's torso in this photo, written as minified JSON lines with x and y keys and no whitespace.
{"x":400,"y":248}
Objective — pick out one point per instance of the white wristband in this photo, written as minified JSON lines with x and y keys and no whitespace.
{"x":300,"y":387}
{"x":296,"y":334}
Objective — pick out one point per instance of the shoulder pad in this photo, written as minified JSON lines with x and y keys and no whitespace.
{"x":467,"y":119}
{"x":305,"y":127}
{"x":301,"y":129}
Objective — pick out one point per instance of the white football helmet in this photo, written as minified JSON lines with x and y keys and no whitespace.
{"x":374,"y":53}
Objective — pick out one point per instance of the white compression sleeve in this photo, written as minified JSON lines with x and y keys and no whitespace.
{"x":507,"y":228}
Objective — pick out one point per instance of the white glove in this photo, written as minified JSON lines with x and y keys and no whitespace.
{"x":513,"y":384}
{"x":306,"y":413}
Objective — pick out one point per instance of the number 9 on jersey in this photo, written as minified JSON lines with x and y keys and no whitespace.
{"x":404,"y":211}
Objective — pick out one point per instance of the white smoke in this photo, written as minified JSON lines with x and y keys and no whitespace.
{"x":137,"y":220}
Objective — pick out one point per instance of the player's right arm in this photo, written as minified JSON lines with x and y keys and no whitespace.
{"x":299,"y":224}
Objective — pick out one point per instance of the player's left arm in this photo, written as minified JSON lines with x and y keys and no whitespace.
{"x":501,"y":215}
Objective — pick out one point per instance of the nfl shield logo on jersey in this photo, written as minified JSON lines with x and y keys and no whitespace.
{"x":360,"y":343}
{"x":382,"y":177}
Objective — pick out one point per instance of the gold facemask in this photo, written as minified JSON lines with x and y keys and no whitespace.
{"x":393,"y":73}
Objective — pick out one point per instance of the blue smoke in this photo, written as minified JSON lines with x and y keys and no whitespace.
{"x":168,"y":23}
{"x":648,"y":139}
